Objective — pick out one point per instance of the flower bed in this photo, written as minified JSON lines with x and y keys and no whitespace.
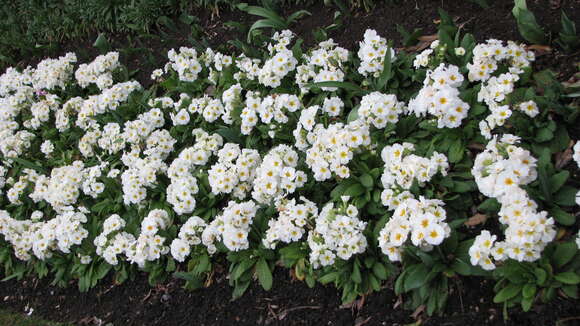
{"x":348,"y":168}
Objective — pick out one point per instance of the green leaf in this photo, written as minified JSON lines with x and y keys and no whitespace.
{"x":416,"y":277}
{"x":456,"y":151}
{"x":529,"y":290}
{"x":355,"y":276}
{"x":353,"y":114}
{"x":380,"y":271}
{"x":527,"y":303}
{"x":239,"y":289}
{"x":571,"y":291}
{"x":541,"y":275}
{"x":242,"y":267}
{"x":355,"y":190}
{"x":297,"y":15}
{"x":490,"y":205}
{"x":566,"y":196}
{"x":264,"y":23}
{"x":28,"y":164}
{"x":564,"y":253}
{"x":464,"y":186}
{"x":386,"y":73}
{"x":561,"y":216}
{"x":461,"y":267}
{"x":367,"y":181}
{"x":568,"y":38}
{"x":568,"y":278}
{"x":327,"y":278}
{"x":527,"y":25}
{"x":263,"y":12}
{"x":558,"y":180}
{"x":544,"y":135}
{"x":230,"y":134}
{"x":507,"y":293}
{"x":264,"y":274}
{"x":102,"y":43}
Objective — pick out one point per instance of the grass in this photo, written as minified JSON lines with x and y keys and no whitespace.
{"x":11,"y":318}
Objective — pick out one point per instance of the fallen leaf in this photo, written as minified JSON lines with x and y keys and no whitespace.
{"x":418,"y":311}
{"x":210,"y":90}
{"x":476,"y":220}
{"x":564,"y":157}
{"x":539,"y":49}
{"x":431,"y":37}
{"x":398,"y":302}
{"x":360,"y":321}
{"x":424,"y":42}
{"x":356,"y":304}
{"x":476,"y":146}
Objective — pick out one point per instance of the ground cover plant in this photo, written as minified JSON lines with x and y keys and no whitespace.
{"x":346,"y":167}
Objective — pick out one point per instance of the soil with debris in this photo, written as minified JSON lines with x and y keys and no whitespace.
{"x":290,"y":302}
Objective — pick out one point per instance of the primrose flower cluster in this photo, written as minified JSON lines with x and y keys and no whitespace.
{"x":33,"y":237}
{"x":379,"y":109}
{"x":235,"y":170}
{"x":420,"y":220}
{"x":277,"y":176}
{"x":189,"y":235}
{"x":282,"y":62}
{"x":183,"y":187}
{"x":338,"y":233}
{"x":440,"y":97}
{"x":267,"y":110}
{"x":403,"y":168}
{"x":372,"y":53}
{"x":324,"y":64}
{"x":329,"y":149}
{"x":486,"y":60}
{"x":499,"y":172}
{"x":291,"y":223}
{"x":99,"y":72}
{"x":231,"y":227}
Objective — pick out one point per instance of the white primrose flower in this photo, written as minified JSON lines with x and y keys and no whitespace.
{"x":440,"y":97}
{"x":422,"y":222}
{"x":231,"y":227}
{"x":47,"y":148}
{"x":372,"y":53}
{"x":277,"y":176}
{"x":336,"y":235}
{"x":290,"y":225}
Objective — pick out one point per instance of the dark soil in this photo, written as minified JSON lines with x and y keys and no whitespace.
{"x":291,"y":302}
{"x":146,"y":52}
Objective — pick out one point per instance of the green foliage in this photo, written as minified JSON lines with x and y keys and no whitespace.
{"x":524,"y":283}
{"x":527,"y":24}
{"x":271,"y":18}
{"x":428,"y":276}
{"x":568,"y":37}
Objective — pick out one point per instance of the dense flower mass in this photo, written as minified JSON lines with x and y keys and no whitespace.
{"x":403,"y":168}
{"x":338,"y":234}
{"x":500,"y":171}
{"x":291,"y":223}
{"x":421,"y":221}
{"x":309,"y":158}
{"x":440,"y":97}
